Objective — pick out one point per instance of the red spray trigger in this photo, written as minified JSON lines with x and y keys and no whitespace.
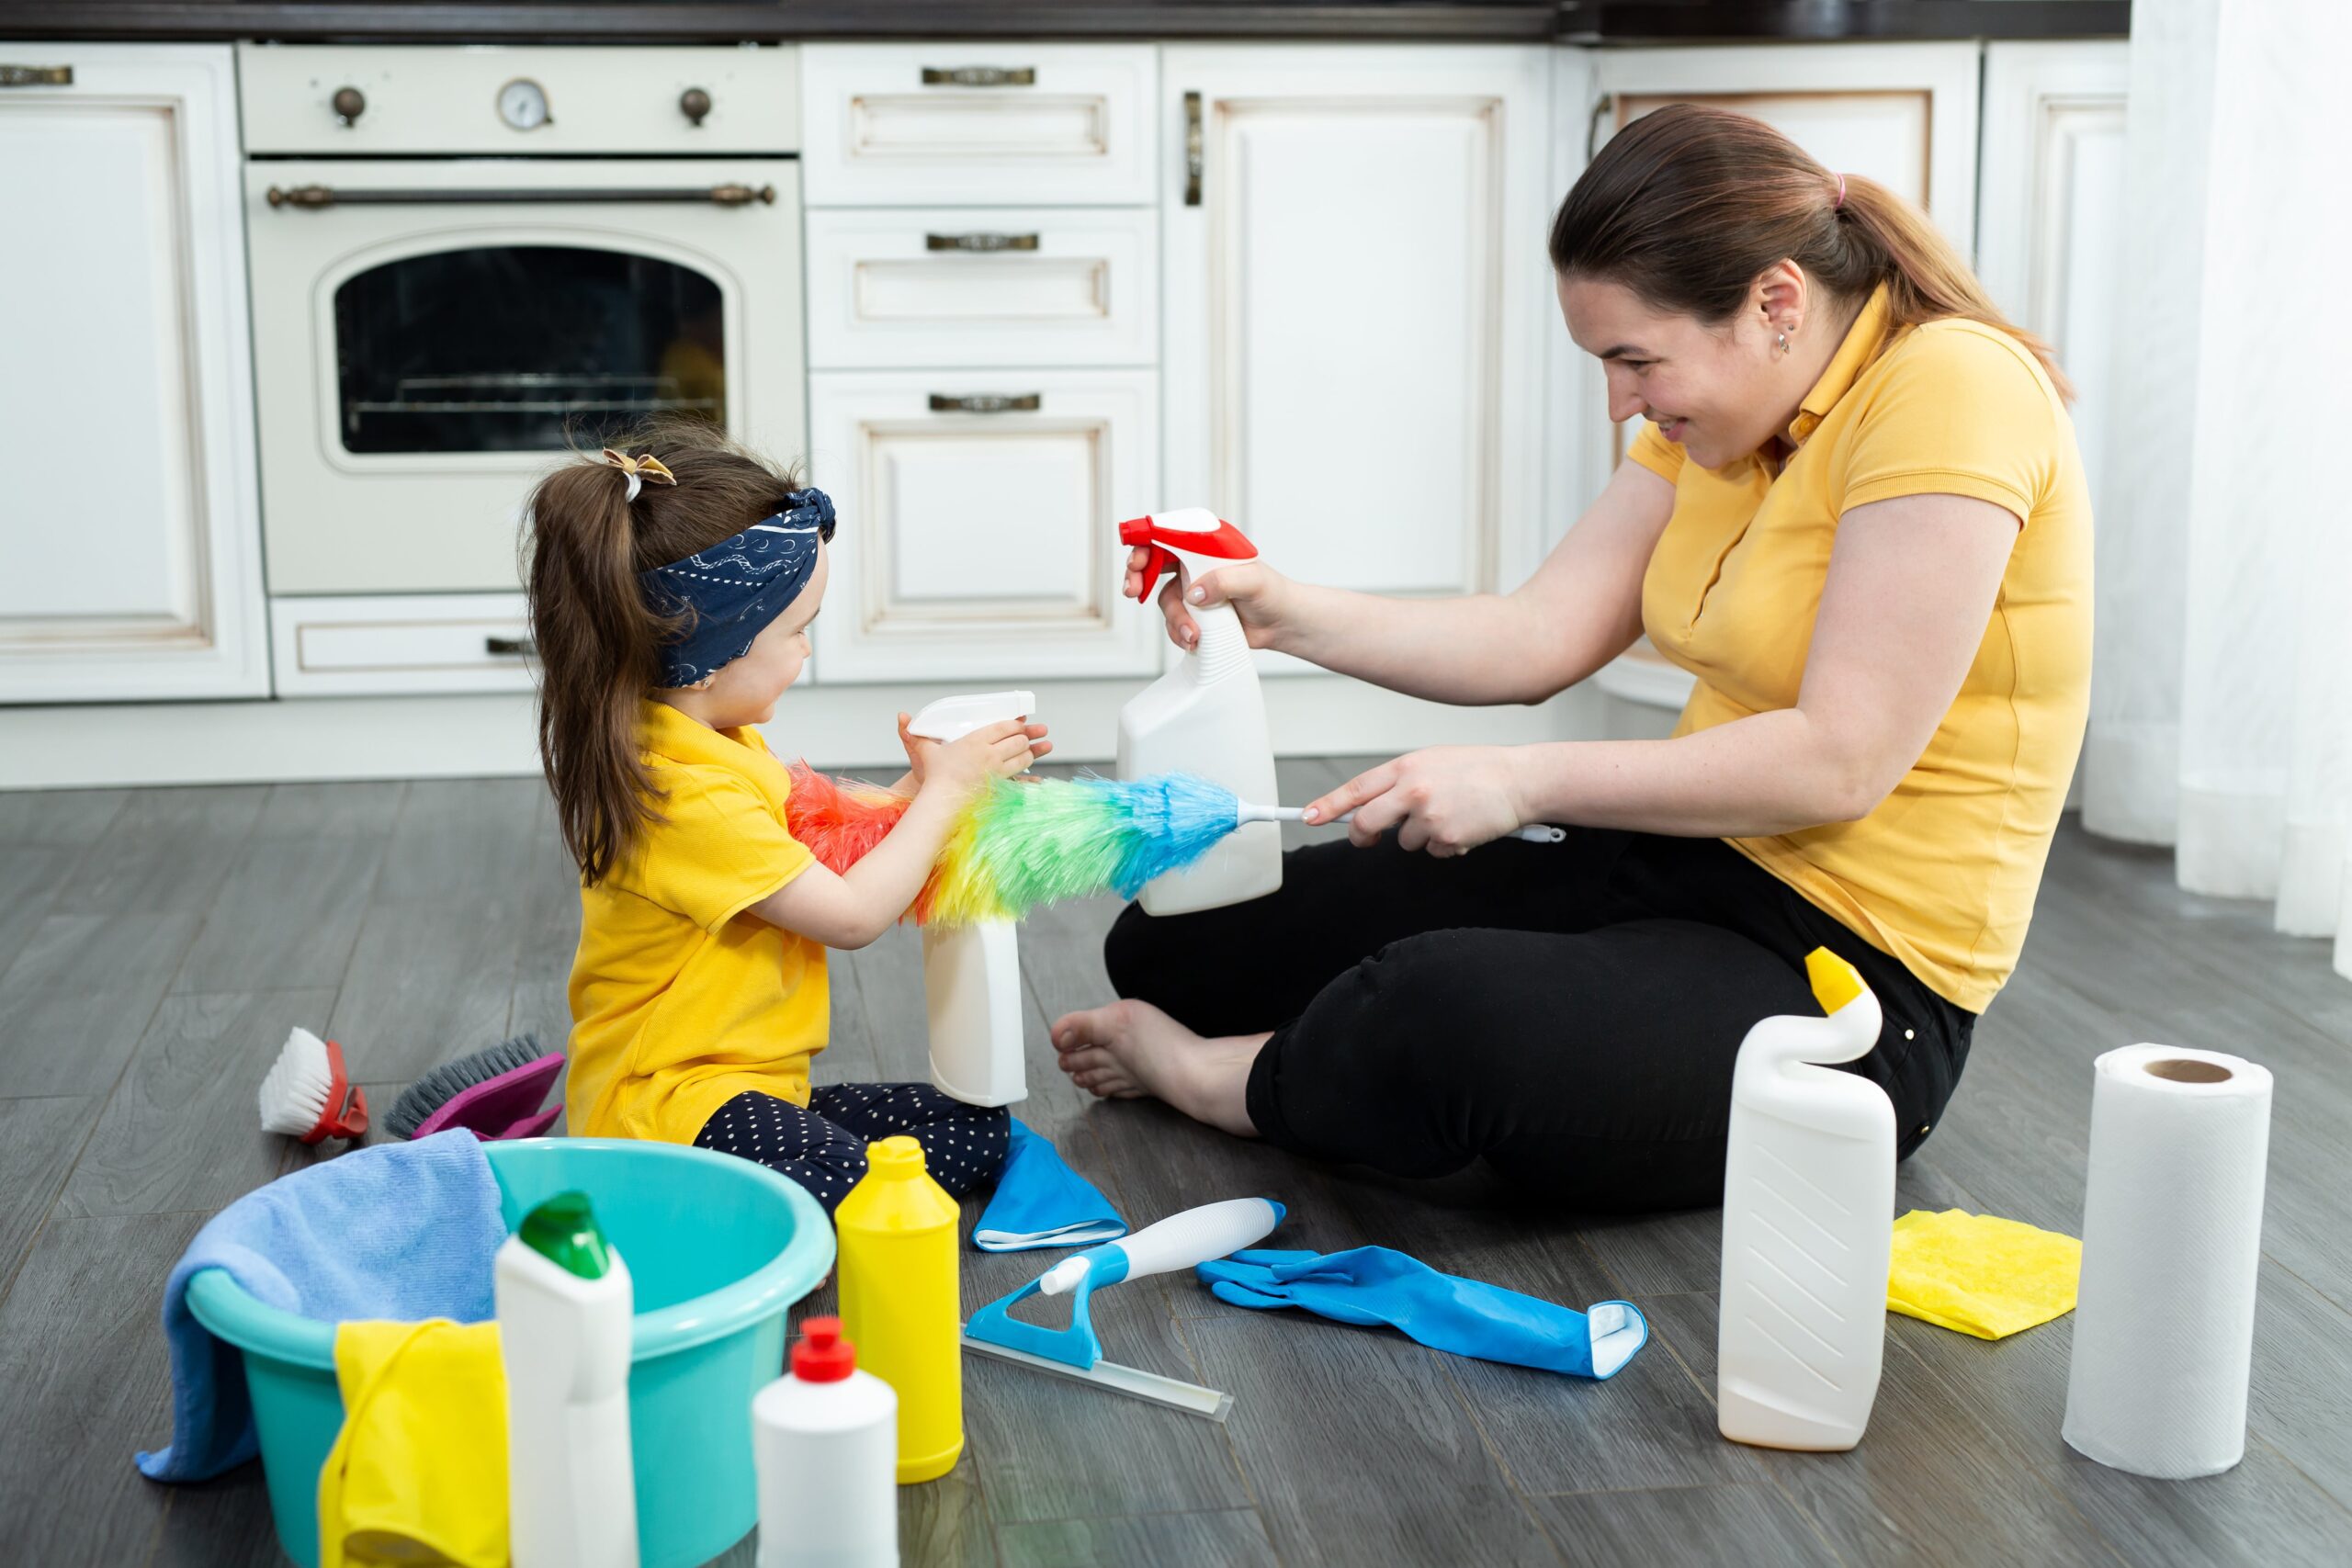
{"x":1223,"y":542}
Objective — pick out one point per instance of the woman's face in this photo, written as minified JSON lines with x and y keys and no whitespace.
{"x":1720,"y":392}
{"x":745,"y":690}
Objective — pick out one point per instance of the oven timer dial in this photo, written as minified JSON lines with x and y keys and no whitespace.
{"x":523,"y":104}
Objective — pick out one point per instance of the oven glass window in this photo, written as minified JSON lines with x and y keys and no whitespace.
{"x":523,"y":348}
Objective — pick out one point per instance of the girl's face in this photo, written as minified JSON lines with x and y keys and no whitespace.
{"x":1719,"y":392}
{"x":745,"y":690}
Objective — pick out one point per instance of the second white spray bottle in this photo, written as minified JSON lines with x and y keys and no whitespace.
{"x":1206,"y":717}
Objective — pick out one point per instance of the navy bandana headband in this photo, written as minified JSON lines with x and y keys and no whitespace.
{"x":731,"y":591}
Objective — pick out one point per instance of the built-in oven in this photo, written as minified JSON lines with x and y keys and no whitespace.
{"x":466,"y":261}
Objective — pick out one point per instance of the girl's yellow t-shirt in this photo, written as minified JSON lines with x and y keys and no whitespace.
{"x":1943,"y":873}
{"x":679,"y":1001}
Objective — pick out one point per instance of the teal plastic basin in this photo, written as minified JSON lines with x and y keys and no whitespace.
{"x":718,"y":1249}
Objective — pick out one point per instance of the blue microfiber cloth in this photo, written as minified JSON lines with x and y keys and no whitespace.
{"x":401,"y":1231}
{"x":1040,"y":1201}
{"x":1375,"y":1285}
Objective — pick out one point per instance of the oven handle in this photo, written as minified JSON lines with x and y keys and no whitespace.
{"x":318,"y":196}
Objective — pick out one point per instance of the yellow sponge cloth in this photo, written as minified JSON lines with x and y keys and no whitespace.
{"x":1981,"y":1275}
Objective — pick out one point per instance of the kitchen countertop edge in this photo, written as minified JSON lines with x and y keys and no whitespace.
{"x":1590,"y":22}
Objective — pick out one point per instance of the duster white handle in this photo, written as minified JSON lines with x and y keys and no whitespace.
{"x":1180,"y":1241}
{"x":1533,"y":833}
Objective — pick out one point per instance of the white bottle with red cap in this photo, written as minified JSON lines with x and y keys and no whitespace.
{"x":1206,"y":717}
{"x":825,"y":1441}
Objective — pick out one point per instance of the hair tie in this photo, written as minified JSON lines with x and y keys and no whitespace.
{"x":639,"y":469}
{"x":1841,"y":194}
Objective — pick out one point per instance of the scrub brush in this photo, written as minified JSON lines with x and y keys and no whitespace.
{"x":492,"y":1093}
{"x":308,"y":1095}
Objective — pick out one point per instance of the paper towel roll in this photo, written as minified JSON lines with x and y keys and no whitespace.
{"x":2172,"y":1237}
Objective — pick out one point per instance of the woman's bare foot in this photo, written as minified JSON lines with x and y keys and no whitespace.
{"x":1130,"y":1050}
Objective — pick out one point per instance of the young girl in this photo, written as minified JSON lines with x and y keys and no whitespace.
{"x":672,"y":586}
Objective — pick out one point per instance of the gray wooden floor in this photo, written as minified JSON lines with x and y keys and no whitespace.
{"x":156,"y":947}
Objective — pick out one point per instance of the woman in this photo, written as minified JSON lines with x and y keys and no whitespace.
{"x":1858,"y":517}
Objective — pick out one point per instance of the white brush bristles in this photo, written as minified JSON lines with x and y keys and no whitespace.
{"x":294,"y":1096}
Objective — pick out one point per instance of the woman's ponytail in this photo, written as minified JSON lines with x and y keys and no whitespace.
{"x":597,"y":637}
{"x":1688,"y":205}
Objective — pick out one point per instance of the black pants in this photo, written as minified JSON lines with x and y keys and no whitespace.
{"x":822,"y":1146}
{"x":1569,"y":1012}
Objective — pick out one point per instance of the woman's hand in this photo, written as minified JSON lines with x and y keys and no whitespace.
{"x":919,"y":751}
{"x":1257,"y":594}
{"x":1448,"y":800}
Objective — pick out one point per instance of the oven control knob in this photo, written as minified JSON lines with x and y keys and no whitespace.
{"x":349,"y":104}
{"x":694,"y":103}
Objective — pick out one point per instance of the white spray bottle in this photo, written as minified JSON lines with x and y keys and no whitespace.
{"x":971,"y":974}
{"x":1206,"y":717}
{"x":564,"y":1305}
{"x":1808,"y":1226}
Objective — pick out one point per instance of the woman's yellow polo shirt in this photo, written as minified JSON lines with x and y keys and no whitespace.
{"x":1943,"y":873}
{"x":679,"y":1001}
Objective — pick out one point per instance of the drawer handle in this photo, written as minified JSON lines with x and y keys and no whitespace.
{"x":1191,"y":149}
{"x":319,"y":197}
{"x":36,"y":75}
{"x":979,"y":76}
{"x":979,"y":242}
{"x":511,"y":646}
{"x":986,"y":403}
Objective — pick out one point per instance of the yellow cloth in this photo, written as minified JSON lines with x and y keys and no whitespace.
{"x":418,"y":1473}
{"x":1943,"y":873}
{"x":679,"y":1001}
{"x":1981,"y":1275}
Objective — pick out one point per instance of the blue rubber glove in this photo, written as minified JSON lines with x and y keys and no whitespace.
{"x":1376,"y":1285}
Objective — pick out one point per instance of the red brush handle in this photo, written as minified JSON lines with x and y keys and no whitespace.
{"x":345,"y":1115}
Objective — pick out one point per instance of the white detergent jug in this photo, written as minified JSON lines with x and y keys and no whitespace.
{"x":971,"y":974}
{"x":1206,"y":717}
{"x":564,"y":1302}
{"x":1808,"y":1226}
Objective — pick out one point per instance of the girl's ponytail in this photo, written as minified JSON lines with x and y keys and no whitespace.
{"x":597,"y":637}
{"x":1687,"y":205}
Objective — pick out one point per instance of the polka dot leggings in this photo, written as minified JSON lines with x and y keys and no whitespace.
{"x":823,"y":1147}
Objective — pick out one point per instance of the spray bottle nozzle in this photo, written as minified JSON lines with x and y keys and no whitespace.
{"x":1193,"y":532}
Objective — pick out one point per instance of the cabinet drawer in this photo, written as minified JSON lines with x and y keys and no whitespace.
{"x":980,"y":545}
{"x":393,"y":644}
{"x":996,"y":122}
{"x":978,"y":287}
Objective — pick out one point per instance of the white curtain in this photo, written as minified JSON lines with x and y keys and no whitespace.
{"x":2221,"y":702}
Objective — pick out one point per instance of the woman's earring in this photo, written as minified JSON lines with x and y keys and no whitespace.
{"x":1784,"y":343}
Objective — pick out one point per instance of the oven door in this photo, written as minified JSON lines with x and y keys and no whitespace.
{"x":431,"y":336}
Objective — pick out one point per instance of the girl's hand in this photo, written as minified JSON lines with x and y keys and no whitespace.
{"x":1448,"y":800}
{"x":992,"y":751}
{"x":919,"y":750}
{"x":1255,"y":590}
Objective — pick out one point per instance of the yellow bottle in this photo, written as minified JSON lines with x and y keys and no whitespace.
{"x":900,"y":1302}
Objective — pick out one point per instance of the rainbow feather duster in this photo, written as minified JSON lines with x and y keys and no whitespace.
{"x":1020,"y":845}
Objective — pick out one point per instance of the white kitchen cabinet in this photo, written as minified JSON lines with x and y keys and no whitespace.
{"x":1904,"y":115}
{"x":2050,"y":212}
{"x":1355,"y":292}
{"x":978,"y":522}
{"x":901,"y":288}
{"x":129,"y":525}
{"x":391,"y":644}
{"x":1001,"y":122}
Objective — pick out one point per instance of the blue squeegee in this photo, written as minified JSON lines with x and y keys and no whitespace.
{"x":1180,"y":1241}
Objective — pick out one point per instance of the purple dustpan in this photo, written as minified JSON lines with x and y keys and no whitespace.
{"x":504,"y":1107}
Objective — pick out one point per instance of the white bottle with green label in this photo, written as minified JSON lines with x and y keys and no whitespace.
{"x":564,"y":1307}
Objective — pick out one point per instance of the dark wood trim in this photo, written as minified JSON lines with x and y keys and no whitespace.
{"x":1578,"y":21}
{"x":1835,"y":21}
